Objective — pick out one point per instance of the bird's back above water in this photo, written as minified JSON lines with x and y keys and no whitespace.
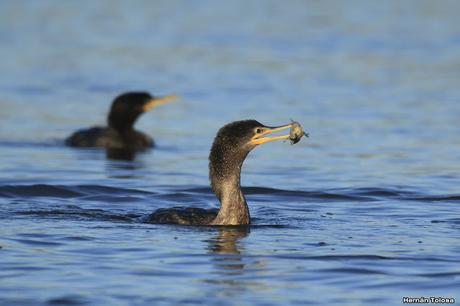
{"x":182,"y":215}
{"x":107,"y":137}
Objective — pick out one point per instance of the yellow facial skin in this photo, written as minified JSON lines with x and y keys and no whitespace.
{"x":258,"y":138}
{"x":159,"y":101}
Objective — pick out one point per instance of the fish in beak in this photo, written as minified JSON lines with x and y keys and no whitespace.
{"x":295,"y":134}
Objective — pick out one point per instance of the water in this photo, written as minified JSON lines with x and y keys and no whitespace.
{"x":365,"y":211}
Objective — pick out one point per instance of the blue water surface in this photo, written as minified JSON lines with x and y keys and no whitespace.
{"x":366,"y":211}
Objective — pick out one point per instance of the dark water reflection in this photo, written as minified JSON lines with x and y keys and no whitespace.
{"x":121,"y":154}
{"x":121,"y":168}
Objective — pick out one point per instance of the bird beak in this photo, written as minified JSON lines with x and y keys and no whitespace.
{"x":158,"y":101}
{"x":259,"y":139}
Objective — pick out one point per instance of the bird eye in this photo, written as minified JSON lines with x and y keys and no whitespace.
{"x":258,"y":131}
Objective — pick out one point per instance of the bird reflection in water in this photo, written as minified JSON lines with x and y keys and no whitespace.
{"x":230,"y":265}
{"x":225,"y":245}
{"x":227,"y":239}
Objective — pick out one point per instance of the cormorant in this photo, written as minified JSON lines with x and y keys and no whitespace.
{"x":120,"y":132}
{"x":231,"y":145}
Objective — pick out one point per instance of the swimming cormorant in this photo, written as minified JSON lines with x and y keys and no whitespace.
{"x":120,"y":132}
{"x":231,"y":145}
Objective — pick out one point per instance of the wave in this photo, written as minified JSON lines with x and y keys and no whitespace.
{"x":63,"y":191}
{"x":343,"y":194}
{"x":77,"y":213}
{"x":367,"y":257}
{"x":31,"y":144}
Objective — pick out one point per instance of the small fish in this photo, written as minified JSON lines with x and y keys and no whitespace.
{"x":296,"y":132}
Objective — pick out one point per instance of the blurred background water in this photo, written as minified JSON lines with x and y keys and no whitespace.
{"x":365,"y":211}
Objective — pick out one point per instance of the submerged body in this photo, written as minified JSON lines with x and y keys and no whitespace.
{"x":231,"y":145}
{"x":119,"y":132}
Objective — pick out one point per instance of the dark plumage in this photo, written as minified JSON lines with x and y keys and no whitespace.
{"x":231,"y":145}
{"x":120,"y":132}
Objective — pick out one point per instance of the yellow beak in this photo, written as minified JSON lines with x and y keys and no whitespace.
{"x":158,"y":101}
{"x":259,"y":139}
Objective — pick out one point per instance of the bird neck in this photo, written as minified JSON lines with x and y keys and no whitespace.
{"x":120,"y":123}
{"x":225,"y":181}
{"x":233,"y":207}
